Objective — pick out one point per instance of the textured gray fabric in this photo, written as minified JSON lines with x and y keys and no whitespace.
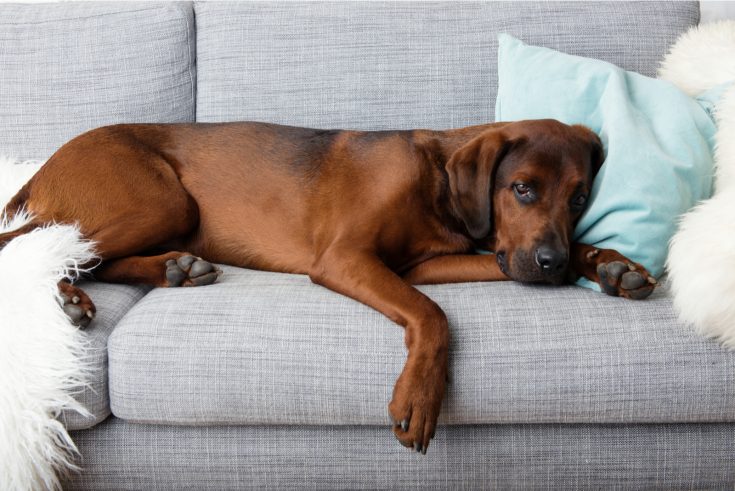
{"x":70,"y":67}
{"x":377,"y":65}
{"x":112,"y":302}
{"x":118,"y":455}
{"x":273,"y":348}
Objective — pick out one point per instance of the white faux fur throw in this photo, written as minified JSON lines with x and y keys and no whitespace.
{"x":701,"y":262}
{"x":41,"y":352}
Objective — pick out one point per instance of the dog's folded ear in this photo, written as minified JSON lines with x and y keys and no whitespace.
{"x":597,"y":155}
{"x":471,"y":171}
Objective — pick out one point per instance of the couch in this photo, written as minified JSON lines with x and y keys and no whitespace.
{"x":265,"y":380}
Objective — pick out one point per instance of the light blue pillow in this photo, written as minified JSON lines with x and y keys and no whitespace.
{"x":658,"y":143}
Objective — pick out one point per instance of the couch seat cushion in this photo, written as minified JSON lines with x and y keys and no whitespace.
{"x":112,"y":302}
{"x":273,"y":348}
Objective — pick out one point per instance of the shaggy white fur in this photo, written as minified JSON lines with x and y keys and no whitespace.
{"x":41,"y":353}
{"x":701,"y":261}
{"x":701,"y":58}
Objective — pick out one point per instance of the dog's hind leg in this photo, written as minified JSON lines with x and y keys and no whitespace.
{"x":8,"y":236}
{"x":124,"y":198}
{"x":76,"y":304}
{"x":167,"y":270}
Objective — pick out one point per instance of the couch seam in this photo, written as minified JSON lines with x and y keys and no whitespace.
{"x":66,"y":19}
{"x":191,"y":55}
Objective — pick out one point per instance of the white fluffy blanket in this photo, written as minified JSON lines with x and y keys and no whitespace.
{"x":41,"y":353}
{"x":701,"y":261}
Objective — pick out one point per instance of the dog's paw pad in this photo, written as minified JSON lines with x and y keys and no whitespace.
{"x":200,"y":268}
{"x":79,"y":308}
{"x":189,"y":270}
{"x":185,"y":262}
{"x":632,"y":280}
{"x":175,"y":276}
{"x":623,"y":279}
{"x":616,"y":269}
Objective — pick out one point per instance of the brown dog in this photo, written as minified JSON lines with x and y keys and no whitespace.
{"x":363,"y":213}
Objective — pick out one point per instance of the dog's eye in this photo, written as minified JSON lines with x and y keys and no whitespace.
{"x":580,"y":201}
{"x":522,"y":189}
{"x":524,"y":192}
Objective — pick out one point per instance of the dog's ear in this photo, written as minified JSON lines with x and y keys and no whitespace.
{"x":597,"y":155}
{"x":471,"y":171}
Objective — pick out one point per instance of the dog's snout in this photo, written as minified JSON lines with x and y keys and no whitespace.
{"x":551,"y":261}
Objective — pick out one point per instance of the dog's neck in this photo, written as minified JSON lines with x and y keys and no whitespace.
{"x":436,"y":148}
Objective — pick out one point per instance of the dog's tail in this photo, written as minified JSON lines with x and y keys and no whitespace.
{"x":15,"y":219}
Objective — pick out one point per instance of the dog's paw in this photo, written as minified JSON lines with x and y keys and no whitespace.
{"x":620,"y":277}
{"x":189,"y":270}
{"x":415,"y":406}
{"x":77,"y":305}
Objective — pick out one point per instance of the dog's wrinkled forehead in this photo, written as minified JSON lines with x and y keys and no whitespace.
{"x":549,"y":146}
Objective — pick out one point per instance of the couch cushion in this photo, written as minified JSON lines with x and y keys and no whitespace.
{"x":120,"y":456}
{"x":112,"y":302}
{"x":273,"y":348}
{"x":377,"y":65}
{"x":69,"y":67}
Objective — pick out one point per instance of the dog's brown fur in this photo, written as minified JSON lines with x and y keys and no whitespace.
{"x":365,"y":214}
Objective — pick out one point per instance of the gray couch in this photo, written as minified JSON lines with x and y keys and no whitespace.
{"x":266,"y":380}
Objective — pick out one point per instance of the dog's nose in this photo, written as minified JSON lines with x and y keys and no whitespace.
{"x":550,"y":260}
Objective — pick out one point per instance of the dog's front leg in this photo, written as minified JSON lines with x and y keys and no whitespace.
{"x":459,"y":268}
{"x":418,"y":393}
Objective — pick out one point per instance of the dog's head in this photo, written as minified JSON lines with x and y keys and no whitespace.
{"x":520,"y":187}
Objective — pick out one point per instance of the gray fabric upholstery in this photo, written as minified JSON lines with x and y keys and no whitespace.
{"x":273,"y":348}
{"x":123,"y":456}
{"x":378,"y":65}
{"x":70,"y":67}
{"x":112,"y":302}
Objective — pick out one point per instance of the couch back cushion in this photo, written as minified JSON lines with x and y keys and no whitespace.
{"x":374,"y":65}
{"x":69,"y":67}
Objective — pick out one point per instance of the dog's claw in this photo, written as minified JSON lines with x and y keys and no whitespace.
{"x":417,"y":447}
{"x":404,"y":425}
